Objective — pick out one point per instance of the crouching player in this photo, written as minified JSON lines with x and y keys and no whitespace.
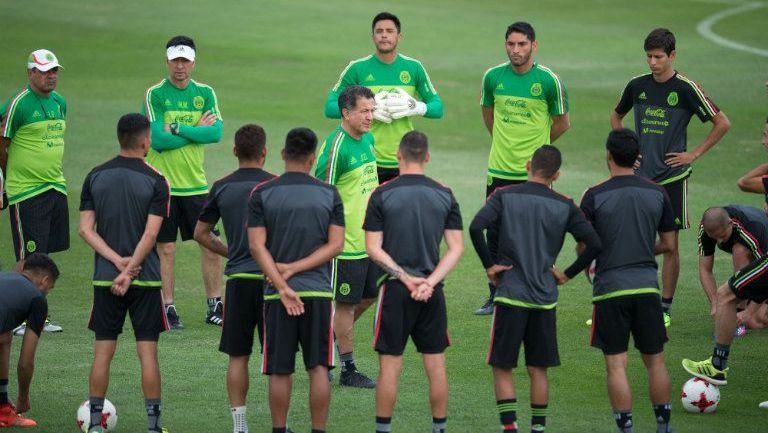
{"x":532,"y":220}
{"x":122,"y":205}
{"x":405,"y":222}
{"x":295,"y":228}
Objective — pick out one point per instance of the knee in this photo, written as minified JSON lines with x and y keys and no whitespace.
{"x":166,"y":249}
{"x":725,"y":295}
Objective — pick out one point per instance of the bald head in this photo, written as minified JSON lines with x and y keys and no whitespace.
{"x":715,"y":218}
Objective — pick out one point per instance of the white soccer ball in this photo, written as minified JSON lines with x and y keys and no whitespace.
{"x":108,"y":416}
{"x":590,"y":271}
{"x":700,"y":396}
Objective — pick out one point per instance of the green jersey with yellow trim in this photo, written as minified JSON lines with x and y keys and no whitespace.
{"x":350,"y":165}
{"x":180,"y":158}
{"x":405,"y":73}
{"x":35,"y":125}
{"x":523,"y":106}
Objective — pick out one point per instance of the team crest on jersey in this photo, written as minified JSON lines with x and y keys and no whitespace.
{"x":344,"y":289}
{"x":405,"y":77}
{"x":672,"y":99}
{"x":198,"y":102}
{"x":31,"y":246}
{"x":536,"y":89}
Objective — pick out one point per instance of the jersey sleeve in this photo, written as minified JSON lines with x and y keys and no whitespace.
{"x":751,"y":234}
{"x":38,"y":312}
{"x":582,"y":231}
{"x":154,"y":109}
{"x":667,"y":222}
{"x":211,"y":213}
{"x":346,"y":79}
{"x":210,"y":133}
{"x":330,"y":164}
{"x":161,"y":198}
{"x":557,"y":96}
{"x":428,"y":94}
{"x":698,"y":102}
{"x":374,"y":215}
{"x":626,"y":100}
{"x":256,"y":210}
{"x":453,"y":219}
{"x":705,"y":243}
{"x":86,"y":198}
{"x":337,"y":216}
{"x":578,"y":225}
{"x":11,"y":117}
{"x":588,"y":205}
{"x":486,"y":90}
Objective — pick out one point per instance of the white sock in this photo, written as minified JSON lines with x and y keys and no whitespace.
{"x":238,"y":418}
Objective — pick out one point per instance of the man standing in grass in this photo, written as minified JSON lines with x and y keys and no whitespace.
{"x":295,"y":228}
{"x":347,"y":161}
{"x":185,"y":117}
{"x":664,"y":102}
{"x":532,"y":221}
{"x":32,"y":126}
{"x":524,"y":105}
{"x":122,"y":205}
{"x":243,"y":306}
{"x":397,"y":80}
{"x":628,"y":211}
{"x":406,"y":221}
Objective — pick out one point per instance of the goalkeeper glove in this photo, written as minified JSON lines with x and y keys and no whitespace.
{"x":380,"y":113}
{"x":401,"y":104}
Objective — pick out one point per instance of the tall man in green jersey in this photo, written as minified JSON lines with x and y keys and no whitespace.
{"x":664,"y":102}
{"x":185,"y":117}
{"x":32,"y":126}
{"x":397,"y":80}
{"x":524,"y":106}
{"x":347,"y":161}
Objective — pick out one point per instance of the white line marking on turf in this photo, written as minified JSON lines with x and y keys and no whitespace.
{"x":705,"y":29}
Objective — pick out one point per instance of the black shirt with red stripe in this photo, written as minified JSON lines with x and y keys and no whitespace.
{"x":750,"y":229}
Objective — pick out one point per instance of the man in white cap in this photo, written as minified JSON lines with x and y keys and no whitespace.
{"x":185,"y":116}
{"x":32,"y":126}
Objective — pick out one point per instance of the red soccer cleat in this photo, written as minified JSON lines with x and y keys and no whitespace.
{"x":9,"y":417}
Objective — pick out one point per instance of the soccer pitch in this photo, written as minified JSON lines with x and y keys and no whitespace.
{"x":273,"y":63}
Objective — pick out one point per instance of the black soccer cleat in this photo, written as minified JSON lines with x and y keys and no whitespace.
{"x":486,"y":309}
{"x":174,"y":322}
{"x":216,"y":316}
{"x":355,"y":379}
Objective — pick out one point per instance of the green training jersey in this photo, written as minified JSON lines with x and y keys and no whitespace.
{"x":35,"y":125}
{"x":404,"y":73}
{"x":350,"y":165}
{"x":166,"y":104}
{"x":522,"y":109}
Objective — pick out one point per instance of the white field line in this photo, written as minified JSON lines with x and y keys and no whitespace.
{"x":705,"y":29}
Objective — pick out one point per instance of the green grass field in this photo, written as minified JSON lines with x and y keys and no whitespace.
{"x":272,"y":63}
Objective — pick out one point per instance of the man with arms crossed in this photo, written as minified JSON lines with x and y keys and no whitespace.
{"x":524,"y":105}
{"x":122,"y":205}
{"x":23,"y":298}
{"x":664,"y":102}
{"x":185,"y":117}
{"x":532,"y":221}
{"x":347,"y":161}
{"x":243,"y":306}
{"x":295,"y":228}
{"x":32,"y":126}
{"x":406,"y":220}
{"x":397,"y":80}
{"x":627,"y":211}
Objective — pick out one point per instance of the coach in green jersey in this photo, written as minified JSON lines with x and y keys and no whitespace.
{"x":524,"y":106}
{"x":185,"y":117}
{"x":397,"y":80}
{"x":347,"y":161}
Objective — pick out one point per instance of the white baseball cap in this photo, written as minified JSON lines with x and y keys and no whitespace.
{"x":183,"y":51}
{"x":43,"y":60}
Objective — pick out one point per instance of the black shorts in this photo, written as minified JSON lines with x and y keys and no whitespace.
{"x":398,"y":316}
{"x":678,"y":197}
{"x":355,"y":280}
{"x":513,"y":326}
{"x":752,"y":281}
{"x":184,"y":213}
{"x":146,"y":308}
{"x":497,"y":182}
{"x":614,"y":319}
{"x":243,"y":314}
{"x":283,"y":334}
{"x":40,"y":224}
{"x":387,"y":173}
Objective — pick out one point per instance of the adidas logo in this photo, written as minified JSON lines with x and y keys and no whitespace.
{"x":353,"y":161}
{"x":167,"y":102}
{"x":36,"y":114}
{"x":370,"y":78}
{"x":500,"y":86}
{"x":642,"y":96}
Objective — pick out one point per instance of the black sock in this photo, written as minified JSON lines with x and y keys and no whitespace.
{"x":383,"y":424}
{"x":539,"y":414}
{"x":438,"y":424}
{"x":666,"y":305}
{"x":508,"y":415}
{"x":97,"y":406}
{"x":720,"y":356}
{"x":154,"y":408}
{"x":623,"y":420}
{"x":3,"y":391}
{"x":663,"y":412}
{"x":491,"y":291}
{"x":279,"y":429}
{"x":347,"y":362}
{"x":212,"y":303}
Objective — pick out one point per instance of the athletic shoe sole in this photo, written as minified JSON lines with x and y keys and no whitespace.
{"x":711,"y":380}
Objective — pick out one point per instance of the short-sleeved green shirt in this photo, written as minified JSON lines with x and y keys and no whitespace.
{"x":35,"y":125}
{"x":405,"y":73}
{"x":164,"y":103}
{"x":350,"y":165}
{"x":523,"y":106}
